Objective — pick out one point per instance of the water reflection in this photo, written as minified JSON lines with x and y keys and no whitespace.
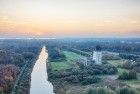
{"x":39,"y":77}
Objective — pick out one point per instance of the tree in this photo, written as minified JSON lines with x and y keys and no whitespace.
{"x":132,"y":74}
{"x":123,"y":76}
{"x":28,"y":55}
{"x":126,"y":90}
{"x":128,"y":75}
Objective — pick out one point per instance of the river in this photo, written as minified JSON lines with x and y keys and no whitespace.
{"x":39,"y":76}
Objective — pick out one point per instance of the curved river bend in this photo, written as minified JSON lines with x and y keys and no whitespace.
{"x":39,"y":76}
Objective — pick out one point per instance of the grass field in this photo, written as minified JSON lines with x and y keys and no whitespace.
{"x":115,"y":62}
{"x":71,"y":58}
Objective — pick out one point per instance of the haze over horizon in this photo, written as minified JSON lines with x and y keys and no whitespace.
{"x":69,"y":18}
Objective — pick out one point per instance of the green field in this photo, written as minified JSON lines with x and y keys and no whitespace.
{"x":71,"y":58}
{"x":115,"y":62}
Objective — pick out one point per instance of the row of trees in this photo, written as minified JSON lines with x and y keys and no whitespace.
{"x":55,"y":54}
{"x":88,"y":45}
{"x":115,"y":45}
{"x":129,"y":56}
{"x":79,"y":52}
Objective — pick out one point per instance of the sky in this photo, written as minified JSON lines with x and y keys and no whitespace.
{"x":69,"y":18}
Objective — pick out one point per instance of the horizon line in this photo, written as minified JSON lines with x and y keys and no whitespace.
{"x":29,"y":38}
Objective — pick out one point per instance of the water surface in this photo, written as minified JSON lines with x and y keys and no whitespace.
{"x":39,"y":76}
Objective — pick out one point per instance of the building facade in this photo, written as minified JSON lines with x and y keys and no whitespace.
{"x":97,"y":55}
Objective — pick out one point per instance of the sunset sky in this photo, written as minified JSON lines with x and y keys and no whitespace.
{"x":69,"y":18}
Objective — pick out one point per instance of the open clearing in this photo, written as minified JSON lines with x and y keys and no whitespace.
{"x":71,"y":58}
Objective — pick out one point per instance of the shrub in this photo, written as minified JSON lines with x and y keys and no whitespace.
{"x":137,"y":69}
{"x":123,"y":76}
{"x":90,"y":80}
{"x":109,"y":69}
{"x":132,"y":74}
{"x":128,"y":76}
{"x":100,"y":90}
{"x":126,"y":90}
{"x":126,"y":65}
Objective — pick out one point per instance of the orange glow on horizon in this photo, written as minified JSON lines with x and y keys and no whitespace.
{"x":53,"y":18}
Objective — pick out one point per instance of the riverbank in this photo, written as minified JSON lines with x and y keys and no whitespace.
{"x":22,"y":83}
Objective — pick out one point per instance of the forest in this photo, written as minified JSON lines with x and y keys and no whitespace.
{"x":16,"y":61}
{"x":119,"y":72}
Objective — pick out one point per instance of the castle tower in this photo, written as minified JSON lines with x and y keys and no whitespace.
{"x":97,"y":55}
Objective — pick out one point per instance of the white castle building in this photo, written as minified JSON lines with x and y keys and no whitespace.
{"x":97,"y":55}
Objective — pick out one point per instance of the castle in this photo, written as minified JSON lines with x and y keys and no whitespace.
{"x":97,"y":55}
